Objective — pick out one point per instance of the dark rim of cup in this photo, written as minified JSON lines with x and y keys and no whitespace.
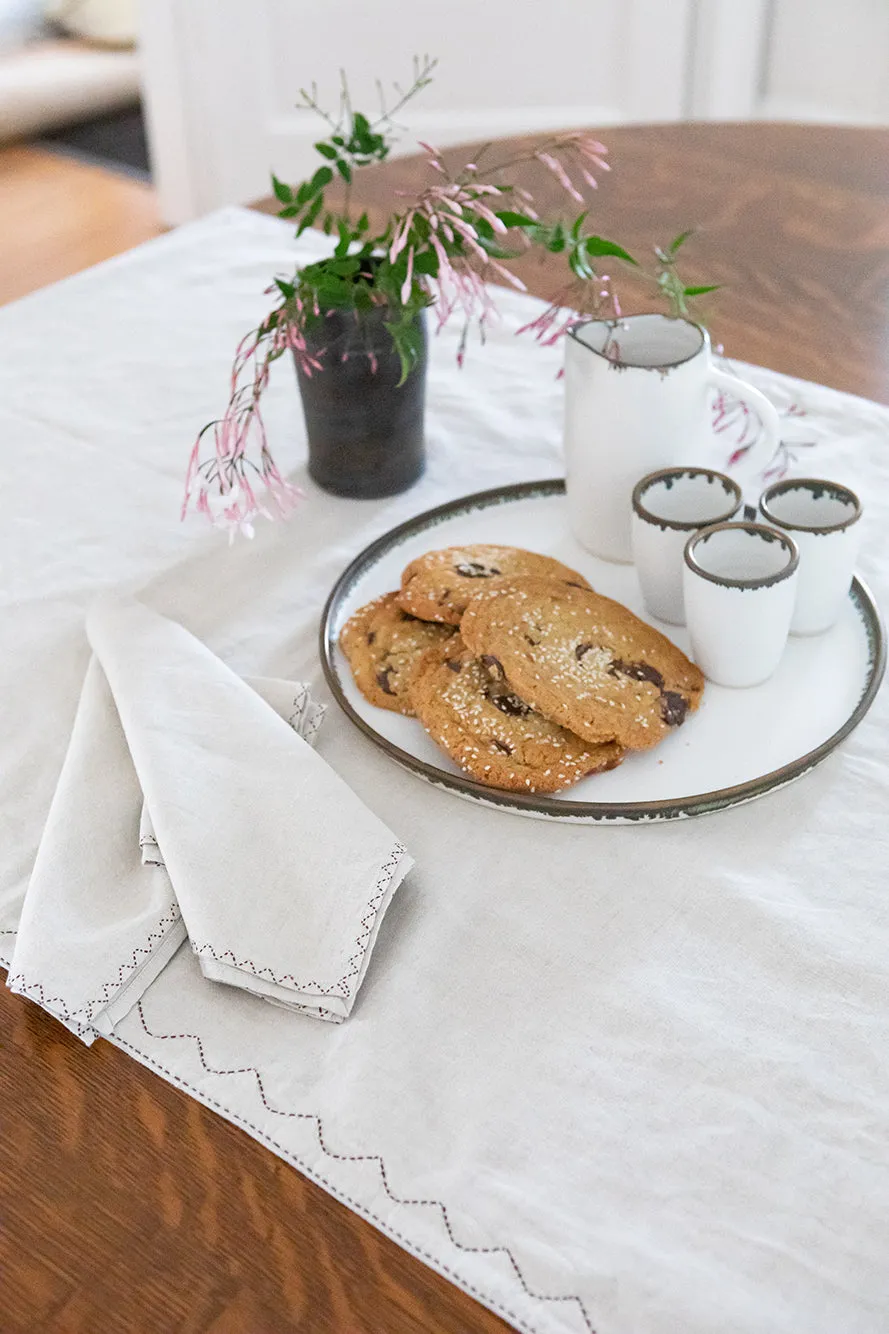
{"x":813,"y":484}
{"x":683,"y":526}
{"x":761,"y":530}
{"x":634,"y":365}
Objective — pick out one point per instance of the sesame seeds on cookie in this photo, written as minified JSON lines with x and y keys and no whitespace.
{"x":584,"y":661}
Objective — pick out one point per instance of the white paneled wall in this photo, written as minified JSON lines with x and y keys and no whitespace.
{"x":222,"y":76}
{"x":497,"y":74}
{"x":828,"y":59}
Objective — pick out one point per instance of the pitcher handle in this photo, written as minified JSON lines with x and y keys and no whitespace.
{"x":762,"y":451}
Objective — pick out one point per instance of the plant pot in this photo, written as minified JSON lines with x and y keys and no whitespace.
{"x":365,"y":430}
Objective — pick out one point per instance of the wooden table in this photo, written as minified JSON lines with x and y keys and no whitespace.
{"x":127,"y":1207}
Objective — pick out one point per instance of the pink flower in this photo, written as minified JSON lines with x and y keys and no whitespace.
{"x":399,"y":240}
{"x":561,"y":175}
{"x":221,"y":485}
{"x":434,"y":161}
{"x":409,"y":280}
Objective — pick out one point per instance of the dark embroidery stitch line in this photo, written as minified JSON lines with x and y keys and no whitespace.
{"x":56,"y":1003}
{"x":353,"y":967}
{"x":353,"y":1158}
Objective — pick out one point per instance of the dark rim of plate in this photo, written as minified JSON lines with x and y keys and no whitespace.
{"x":559,"y":809}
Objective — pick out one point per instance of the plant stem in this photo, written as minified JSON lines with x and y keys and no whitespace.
{"x":421,"y":78}
{"x":310,"y":103}
{"x":550,"y":146}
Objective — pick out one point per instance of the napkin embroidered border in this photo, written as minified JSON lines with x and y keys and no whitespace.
{"x":376,"y":1158}
{"x":353,"y":967}
{"x":89,"y":1009}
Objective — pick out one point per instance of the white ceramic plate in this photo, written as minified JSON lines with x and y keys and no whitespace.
{"x":740,"y":744}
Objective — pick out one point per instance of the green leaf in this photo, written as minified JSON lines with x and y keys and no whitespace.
{"x":327,"y":224}
{"x":304,"y":193}
{"x":699,"y":291}
{"x":556,"y":243}
{"x":408,"y":340}
{"x":326,"y":150}
{"x":497,"y":251}
{"x":289,"y":212}
{"x":360,"y":124}
{"x":510,"y":219}
{"x":578,"y":264}
{"x":338,"y":140}
{"x":331,"y":290}
{"x":362,"y":224}
{"x":287,"y":290}
{"x":310,"y":215}
{"x":282,"y":191}
{"x":537,"y":233}
{"x":426,"y":262}
{"x":678,"y":240}
{"x":344,"y":170}
{"x":323,"y":176}
{"x":597,"y":245}
{"x":578,"y":223}
{"x":345,"y":235}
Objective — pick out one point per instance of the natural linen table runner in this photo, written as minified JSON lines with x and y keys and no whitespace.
{"x":247,"y":841}
{"x":630,"y":1080}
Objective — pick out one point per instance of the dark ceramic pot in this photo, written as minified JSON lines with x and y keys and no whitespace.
{"x":365,"y":431}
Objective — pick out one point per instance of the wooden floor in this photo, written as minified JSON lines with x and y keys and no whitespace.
{"x":58,"y":215}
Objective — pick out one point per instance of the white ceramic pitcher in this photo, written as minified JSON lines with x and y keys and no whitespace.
{"x":637,"y":398}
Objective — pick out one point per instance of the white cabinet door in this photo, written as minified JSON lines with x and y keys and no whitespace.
{"x":827,"y":60}
{"x":792,"y":60}
{"x":221,"y":77}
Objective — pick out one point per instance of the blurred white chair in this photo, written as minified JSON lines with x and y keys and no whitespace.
{"x":48,"y":80}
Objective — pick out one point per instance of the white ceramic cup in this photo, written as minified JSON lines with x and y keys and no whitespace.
{"x":823,"y":519}
{"x":739,"y":585}
{"x":637,"y":397}
{"x":668,"y":506}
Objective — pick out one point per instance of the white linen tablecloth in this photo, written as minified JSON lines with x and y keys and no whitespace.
{"x":624,"y":1080}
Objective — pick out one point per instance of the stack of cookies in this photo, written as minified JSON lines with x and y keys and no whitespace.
{"x":527,"y":678}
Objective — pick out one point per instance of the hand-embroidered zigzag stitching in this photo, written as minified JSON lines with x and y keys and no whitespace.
{"x":89,"y":1008}
{"x":360,"y":1158}
{"x":342,"y":987}
{"x":297,"y":707}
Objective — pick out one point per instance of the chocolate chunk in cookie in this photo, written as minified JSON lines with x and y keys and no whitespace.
{"x":584,"y":661}
{"x":383,"y":645}
{"x":492,"y":733}
{"x":438,"y":586}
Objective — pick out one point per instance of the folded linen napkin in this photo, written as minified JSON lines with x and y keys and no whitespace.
{"x":191,"y":801}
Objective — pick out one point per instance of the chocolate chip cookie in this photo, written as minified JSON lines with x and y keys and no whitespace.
{"x":491,"y":733}
{"x":437,"y":586}
{"x":383,"y":645}
{"x":584,"y":661}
